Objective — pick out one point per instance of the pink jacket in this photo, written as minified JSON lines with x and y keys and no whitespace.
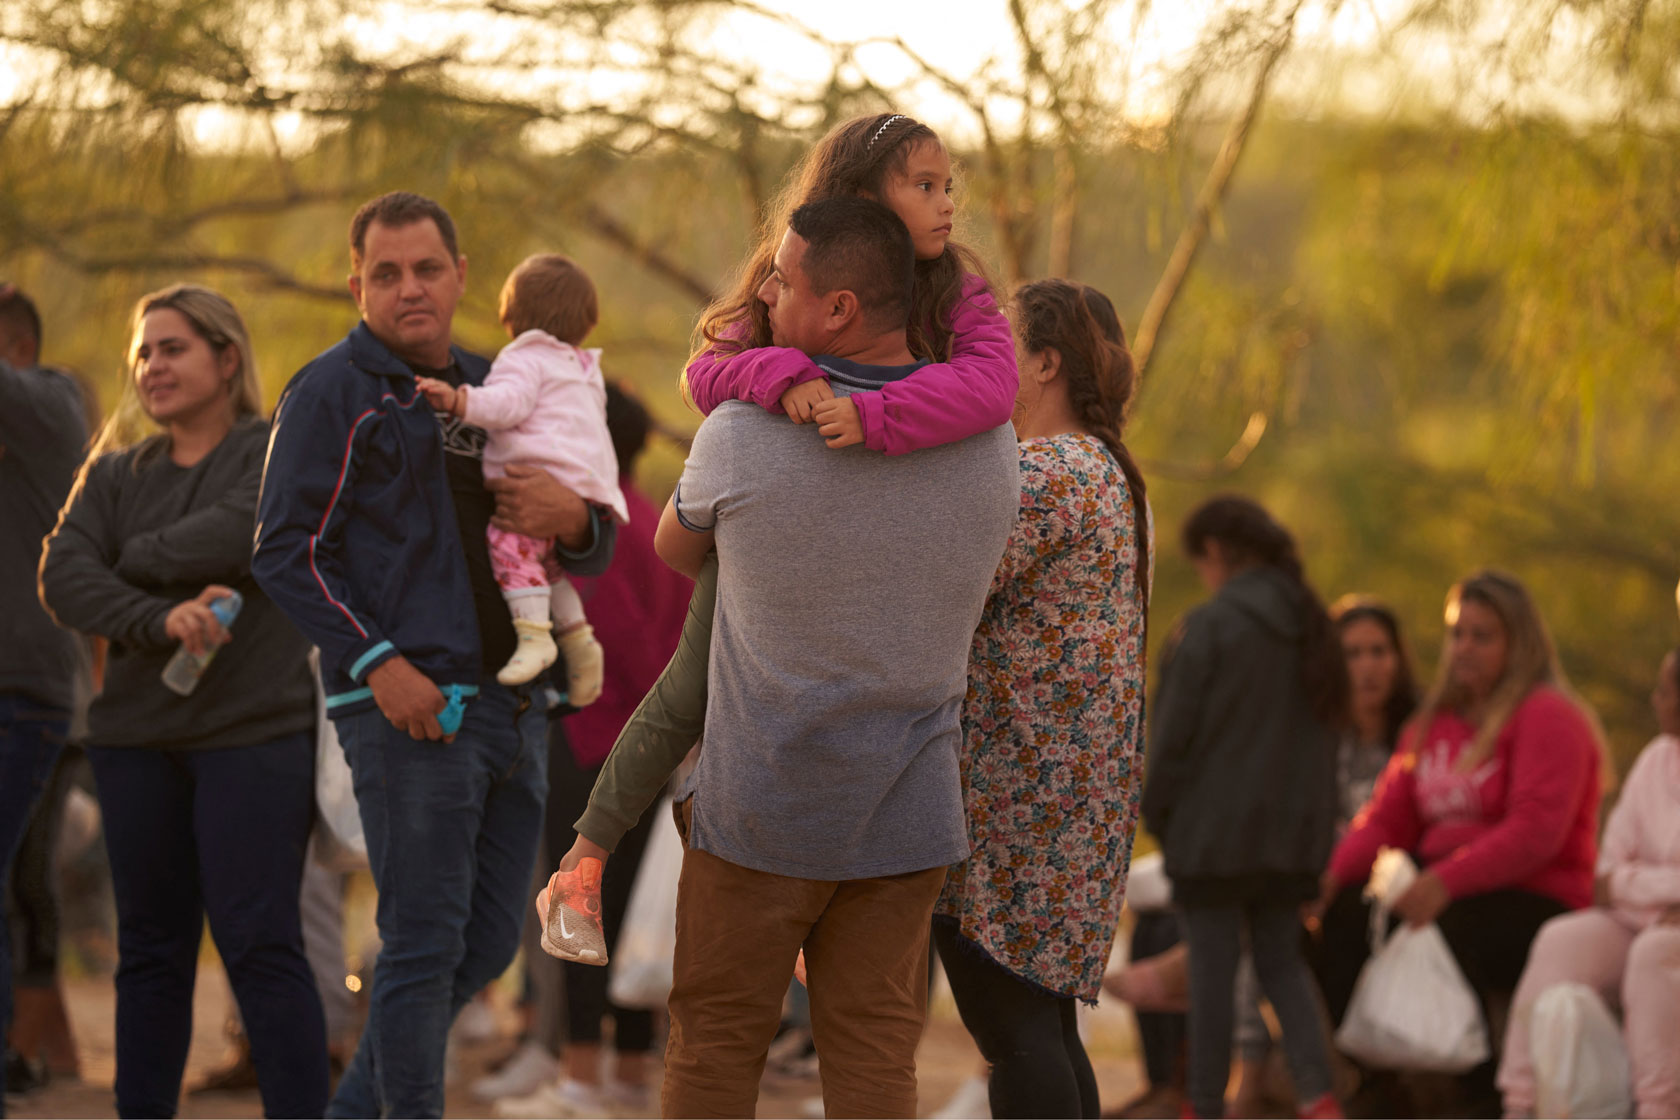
{"x":941,"y":403}
{"x":544,"y":403}
{"x":1524,"y":819}
{"x":1641,"y":850}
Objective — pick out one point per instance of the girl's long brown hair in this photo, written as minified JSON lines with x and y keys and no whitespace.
{"x":1081,"y":325}
{"x":855,"y":158}
{"x":1247,"y":535}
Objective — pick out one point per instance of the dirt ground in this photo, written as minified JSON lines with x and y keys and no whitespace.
{"x":947,"y":1056}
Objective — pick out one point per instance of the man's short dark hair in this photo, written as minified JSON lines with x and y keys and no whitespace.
{"x":18,"y":315}
{"x":859,"y":245}
{"x":396,"y":209}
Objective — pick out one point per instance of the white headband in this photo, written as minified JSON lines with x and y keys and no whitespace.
{"x":886,"y":124}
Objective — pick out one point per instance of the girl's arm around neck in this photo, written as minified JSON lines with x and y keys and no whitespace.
{"x":759,"y":375}
{"x":945,"y":402}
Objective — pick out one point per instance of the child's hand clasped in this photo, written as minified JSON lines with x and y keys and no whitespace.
{"x":441,"y":394}
{"x":800,"y":402}
{"x":838,"y":421}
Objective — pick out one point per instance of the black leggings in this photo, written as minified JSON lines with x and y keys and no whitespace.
{"x":1031,"y":1038}
{"x":1162,"y":1034}
{"x":586,"y":984}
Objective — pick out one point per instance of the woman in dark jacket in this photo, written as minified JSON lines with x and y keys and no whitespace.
{"x":207,"y":797}
{"x":1241,"y":786}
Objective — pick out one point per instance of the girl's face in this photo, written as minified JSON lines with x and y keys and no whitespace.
{"x":1665,"y":698}
{"x":921,"y":196}
{"x":1372,"y":663}
{"x":178,"y":374}
{"x":1477,"y":649}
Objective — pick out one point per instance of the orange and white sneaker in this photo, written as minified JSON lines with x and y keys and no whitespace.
{"x":573,"y":929}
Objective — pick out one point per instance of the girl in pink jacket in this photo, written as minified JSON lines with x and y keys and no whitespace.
{"x":544,"y":402}
{"x":1627,"y":947}
{"x":954,"y":321}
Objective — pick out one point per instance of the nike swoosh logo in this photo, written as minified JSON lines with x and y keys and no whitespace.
{"x":564,"y":932}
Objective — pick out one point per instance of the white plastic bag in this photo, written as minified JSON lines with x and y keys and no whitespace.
{"x":339,"y":843}
{"x":1411,"y":1007}
{"x":1580,"y":1062}
{"x":1147,"y":885}
{"x":647,"y":942}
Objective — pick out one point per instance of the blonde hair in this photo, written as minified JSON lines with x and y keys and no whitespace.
{"x":213,"y":318}
{"x":549,"y":292}
{"x":1531,"y":661}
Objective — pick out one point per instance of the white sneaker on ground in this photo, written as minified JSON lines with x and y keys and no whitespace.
{"x":529,"y":1069}
{"x":475,"y":1023}
{"x":971,"y":1101}
{"x":629,"y":1100}
{"x":567,"y":1099}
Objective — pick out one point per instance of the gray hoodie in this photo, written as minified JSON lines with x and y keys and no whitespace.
{"x":1241,"y":786}
{"x":42,"y":435}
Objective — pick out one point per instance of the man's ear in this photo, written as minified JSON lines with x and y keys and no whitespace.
{"x":843,"y":309}
{"x":356,"y":287}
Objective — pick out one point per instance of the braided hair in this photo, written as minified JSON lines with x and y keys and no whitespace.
{"x":1080,"y":324}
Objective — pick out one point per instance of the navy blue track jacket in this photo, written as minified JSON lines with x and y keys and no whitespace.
{"x":357,"y":539}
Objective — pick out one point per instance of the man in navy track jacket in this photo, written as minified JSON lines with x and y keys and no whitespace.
{"x":370,"y":536}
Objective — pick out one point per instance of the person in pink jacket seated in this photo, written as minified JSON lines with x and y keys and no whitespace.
{"x":954,"y":320}
{"x":544,"y":402}
{"x":1494,"y":791}
{"x":1627,"y":947}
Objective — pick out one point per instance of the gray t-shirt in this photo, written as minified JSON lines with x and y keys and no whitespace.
{"x":850,"y":584}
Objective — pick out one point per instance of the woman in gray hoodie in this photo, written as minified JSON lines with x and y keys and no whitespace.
{"x":1241,"y":787}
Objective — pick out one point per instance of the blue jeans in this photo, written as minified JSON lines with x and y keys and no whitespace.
{"x":219,"y":832}
{"x":452,"y":834}
{"x":31,"y":736}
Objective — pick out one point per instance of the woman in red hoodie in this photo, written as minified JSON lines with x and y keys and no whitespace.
{"x":1494,"y":791}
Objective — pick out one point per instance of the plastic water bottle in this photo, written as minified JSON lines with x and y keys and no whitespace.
{"x":185,"y":668}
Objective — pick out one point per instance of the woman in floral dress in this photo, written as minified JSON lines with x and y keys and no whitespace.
{"x":1053,"y":720}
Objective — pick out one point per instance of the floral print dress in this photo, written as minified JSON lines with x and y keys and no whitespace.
{"x":1053,"y":727}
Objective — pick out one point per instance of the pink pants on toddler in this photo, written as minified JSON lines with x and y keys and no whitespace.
{"x":1637,"y":971}
{"x":532,"y":580}
{"x":522,"y":563}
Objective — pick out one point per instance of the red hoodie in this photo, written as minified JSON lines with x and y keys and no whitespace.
{"x":1524,"y":820}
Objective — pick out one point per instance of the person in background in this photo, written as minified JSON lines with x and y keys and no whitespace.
{"x":42,"y":435}
{"x":1626,"y":947}
{"x":1053,"y":717}
{"x":1241,"y":786}
{"x":639,"y":605}
{"x":1494,"y":791}
{"x":1382,"y":694}
{"x":207,"y":797}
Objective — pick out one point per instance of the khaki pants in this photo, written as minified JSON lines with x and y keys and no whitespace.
{"x":738,"y":933}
